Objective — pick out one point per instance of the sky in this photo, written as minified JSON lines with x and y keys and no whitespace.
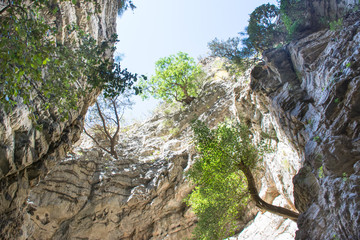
{"x":159,"y":28}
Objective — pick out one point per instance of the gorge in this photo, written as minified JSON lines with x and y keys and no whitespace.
{"x":303,"y":99}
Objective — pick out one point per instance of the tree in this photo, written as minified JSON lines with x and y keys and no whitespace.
{"x":37,"y":68}
{"x":263,"y":29}
{"x":177,"y":77}
{"x":228,"y":49}
{"x":241,"y":55}
{"x":224,"y":180}
{"x":263,"y":32}
{"x":104,"y":121}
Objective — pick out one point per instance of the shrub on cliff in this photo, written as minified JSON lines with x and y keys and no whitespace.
{"x":177,"y":78}
{"x":292,"y":16}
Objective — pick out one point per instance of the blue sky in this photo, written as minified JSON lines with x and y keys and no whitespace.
{"x":158,"y":28}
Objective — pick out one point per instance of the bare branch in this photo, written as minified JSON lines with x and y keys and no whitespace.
{"x":97,"y":143}
{"x":102,"y":120}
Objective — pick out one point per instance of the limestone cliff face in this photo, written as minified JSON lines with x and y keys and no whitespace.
{"x":304,"y":100}
{"x":313,"y":87}
{"x":90,"y":195}
{"x":26,"y":154}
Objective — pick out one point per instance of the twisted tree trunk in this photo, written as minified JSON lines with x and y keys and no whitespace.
{"x":286,"y":213}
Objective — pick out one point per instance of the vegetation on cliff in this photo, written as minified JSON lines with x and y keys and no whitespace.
{"x":177,"y":77}
{"x":36,"y":66}
{"x":224,"y":179}
{"x":270,"y":26}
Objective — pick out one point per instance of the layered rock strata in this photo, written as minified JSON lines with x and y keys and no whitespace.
{"x":90,"y":195}
{"x":26,"y":153}
{"x":313,"y":86}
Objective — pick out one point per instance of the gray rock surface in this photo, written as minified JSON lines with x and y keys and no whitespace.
{"x":313,"y":86}
{"x":141,"y":195}
{"x":26,"y":154}
{"x":303,"y":100}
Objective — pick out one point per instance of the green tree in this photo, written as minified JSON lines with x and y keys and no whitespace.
{"x":263,"y":32}
{"x":263,"y":29}
{"x":224,"y":180}
{"x":177,"y":77}
{"x":37,"y":68}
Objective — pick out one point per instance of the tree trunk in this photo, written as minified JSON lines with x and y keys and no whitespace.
{"x":286,"y":213}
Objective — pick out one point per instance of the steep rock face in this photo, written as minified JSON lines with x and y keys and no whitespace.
{"x":317,"y":14}
{"x":313,"y":87}
{"x":26,"y":153}
{"x":90,"y":195}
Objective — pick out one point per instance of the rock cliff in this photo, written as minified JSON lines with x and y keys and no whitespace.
{"x":26,"y":154}
{"x":303,"y":100}
{"x":313,"y":86}
{"x":141,"y":195}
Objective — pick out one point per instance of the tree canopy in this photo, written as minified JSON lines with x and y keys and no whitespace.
{"x":263,"y":29}
{"x":37,"y":67}
{"x":223,"y":178}
{"x":177,"y":77}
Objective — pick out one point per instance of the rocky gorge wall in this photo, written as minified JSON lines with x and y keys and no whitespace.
{"x":303,"y":99}
{"x":313,"y":87}
{"x":90,"y":195}
{"x":26,"y":154}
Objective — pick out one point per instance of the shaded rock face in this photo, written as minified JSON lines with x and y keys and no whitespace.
{"x":26,"y":154}
{"x":313,"y":86}
{"x":90,"y":195}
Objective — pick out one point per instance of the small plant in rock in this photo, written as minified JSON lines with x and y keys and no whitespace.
{"x":317,"y":139}
{"x":321,"y":172}
{"x":310,"y":122}
{"x":345,"y":177}
{"x":334,"y":237}
{"x":174,"y":131}
{"x":336,"y":24}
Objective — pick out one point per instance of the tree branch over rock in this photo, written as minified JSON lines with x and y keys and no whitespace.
{"x":224,"y":179}
{"x":104,"y":121}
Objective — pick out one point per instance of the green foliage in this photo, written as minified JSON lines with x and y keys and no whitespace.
{"x":317,"y":139}
{"x":263,"y":30}
{"x":291,"y":13}
{"x":177,"y":77}
{"x":220,"y":192}
{"x":345,"y":177}
{"x":321,"y":172}
{"x":36,"y":66}
{"x":336,"y":24}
